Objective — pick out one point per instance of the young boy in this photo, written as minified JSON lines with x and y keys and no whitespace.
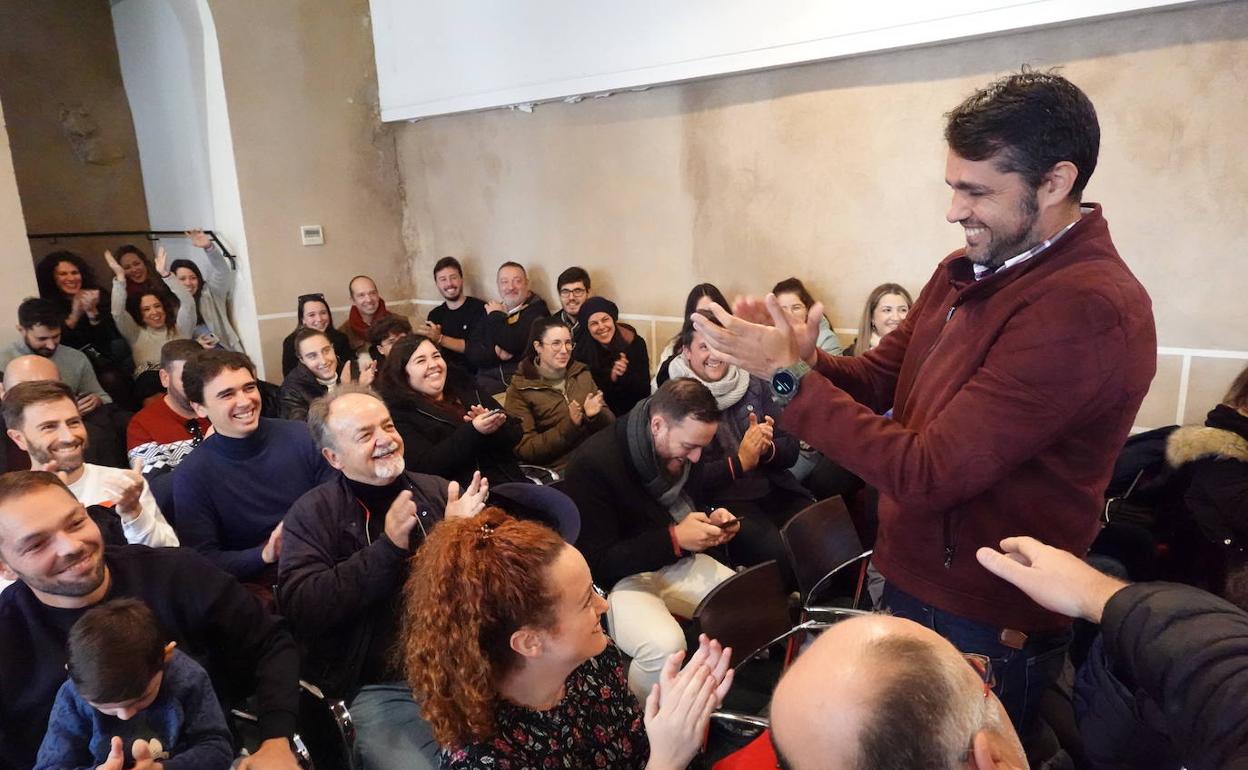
{"x":132,"y":701}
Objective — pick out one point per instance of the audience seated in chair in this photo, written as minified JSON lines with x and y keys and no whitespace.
{"x":367,"y":307}
{"x":40,"y":321}
{"x":48,"y":544}
{"x":44,"y":421}
{"x":148,"y":318}
{"x":131,"y":696}
{"x":319,"y":370}
{"x":554,"y":397}
{"x":346,"y":546}
{"x":212,"y":318}
{"x":105,"y":422}
{"x":163,"y":433}
{"x":449,"y":427}
{"x":233,"y":490}
{"x":574,"y":288}
{"x":66,"y":280}
{"x":887,"y":306}
{"x":700,"y":297}
{"x":453,"y":323}
{"x":501,"y":341}
{"x":383,"y":334}
{"x":643,"y":526}
{"x":795,"y":300}
{"x":747,"y":466}
{"x":313,"y":312}
{"x":504,"y":648}
{"x":615,"y":354}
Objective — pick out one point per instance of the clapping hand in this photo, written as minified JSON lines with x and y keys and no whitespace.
{"x":485,"y":421}
{"x":115,"y":266}
{"x":678,"y":709}
{"x":576,"y":412}
{"x":472,"y":500}
{"x":756,"y":442}
{"x":619,"y":367}
{"x":594,"y":403}
{"x":760,"y":338}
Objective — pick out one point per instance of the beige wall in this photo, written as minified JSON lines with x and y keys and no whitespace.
{"x":73,"y":143}
{"x":19,"y":280}
{"x":301,"y":87}
{"x":834,"y":172}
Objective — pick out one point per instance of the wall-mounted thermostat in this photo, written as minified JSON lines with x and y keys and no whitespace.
{"x":312,"y":235}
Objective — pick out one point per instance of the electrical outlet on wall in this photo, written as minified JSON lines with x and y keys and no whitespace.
{"x":312,"y":235}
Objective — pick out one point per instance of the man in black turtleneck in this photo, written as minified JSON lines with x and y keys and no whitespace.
{"x":343,"y":564}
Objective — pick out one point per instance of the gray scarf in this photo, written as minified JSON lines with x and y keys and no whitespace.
{"x":669,"y":492}
{"x":727,"y":392}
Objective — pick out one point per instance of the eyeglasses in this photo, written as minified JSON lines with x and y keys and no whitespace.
{"x":197,"y":435}
{"x":982,"y":665}
{"x":560,"y":344}
{"x":573,"y":292}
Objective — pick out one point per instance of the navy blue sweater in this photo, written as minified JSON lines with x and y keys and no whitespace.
{"x":230,"y":493}
{"x":185,"y":717}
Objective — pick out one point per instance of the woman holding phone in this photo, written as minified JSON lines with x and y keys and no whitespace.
{"x":449,"y":427}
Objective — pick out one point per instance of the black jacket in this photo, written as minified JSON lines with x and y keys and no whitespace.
{"x":299,"y":390}
{"x":434,"y":443}
{"x":509,"y":332}
{"x":342,"y":348}
{"x":338,"y":589}
{"x":624,"y":530}
{"x":1212,"y":462}
{"x":1166,"y":685}
{"x":623,"y":394}
{"x":207,"y":612}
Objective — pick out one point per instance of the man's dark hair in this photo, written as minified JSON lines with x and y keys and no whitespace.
{"x":36,"y":311}
{"x":21,"y":483}
{"x":682,"y":397}
{"x":203,"y":367}
{"x":509,"y":263}
{"x":26,"y":394}
{"x":114,"y":651}
{"x":1027,"y":123}
{"x":793,"y":286}
{"x":305,"y":333}
{"x":573,"y":275}
{"x":386,"y":326}
{"x":174,"y":351}
{"x":446,"y":262}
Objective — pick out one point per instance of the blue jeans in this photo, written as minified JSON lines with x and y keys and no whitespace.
{"x":390,"y":734}
{"x":1022,"y":675}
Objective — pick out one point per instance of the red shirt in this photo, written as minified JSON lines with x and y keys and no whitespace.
{"x":160,"y":437}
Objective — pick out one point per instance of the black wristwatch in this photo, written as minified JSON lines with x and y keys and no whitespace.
{"x":785,"y":382}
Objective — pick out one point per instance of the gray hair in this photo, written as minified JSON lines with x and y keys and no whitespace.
{"x":318,"y":412}
{"x":924,"y":716}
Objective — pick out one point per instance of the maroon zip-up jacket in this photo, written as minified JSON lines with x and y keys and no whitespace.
{"x":1011,"y":397}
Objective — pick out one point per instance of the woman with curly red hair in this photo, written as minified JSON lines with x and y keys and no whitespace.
{"x":504,"y":648}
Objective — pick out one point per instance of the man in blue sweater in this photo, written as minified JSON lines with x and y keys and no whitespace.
{"x":231,"y":493}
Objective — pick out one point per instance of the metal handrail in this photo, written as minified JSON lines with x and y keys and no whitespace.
{"x":151,"y":235}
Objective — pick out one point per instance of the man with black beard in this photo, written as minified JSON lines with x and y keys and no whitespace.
{"x":450,"y":324}
{"x":342,"y":567}
{"x":50,"y":545}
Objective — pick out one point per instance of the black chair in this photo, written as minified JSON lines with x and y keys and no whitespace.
{"x":747,"y":611}
{"x":827,"y":557}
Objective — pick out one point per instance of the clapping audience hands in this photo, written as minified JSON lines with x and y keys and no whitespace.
{"x":472,"y":499}
{"x":760,"y":338}
{"x":678,"y":709}
{"x":485,"y":421}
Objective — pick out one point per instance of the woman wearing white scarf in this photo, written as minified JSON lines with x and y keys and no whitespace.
{"x":747,"y":464}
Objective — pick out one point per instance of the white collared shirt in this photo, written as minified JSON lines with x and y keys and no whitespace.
{"x":982,"y":272}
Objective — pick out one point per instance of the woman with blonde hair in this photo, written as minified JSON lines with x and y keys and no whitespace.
{"x":887,"y":306}
{"x":504,"y":648}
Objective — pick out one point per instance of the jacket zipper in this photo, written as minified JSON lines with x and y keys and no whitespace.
{"x":947,"y":523}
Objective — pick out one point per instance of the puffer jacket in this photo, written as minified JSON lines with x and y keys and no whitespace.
{"x":548,"y":433}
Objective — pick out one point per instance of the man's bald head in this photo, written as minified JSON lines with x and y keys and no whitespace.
{"x":28,"y":369}
{"x":880,"y":691}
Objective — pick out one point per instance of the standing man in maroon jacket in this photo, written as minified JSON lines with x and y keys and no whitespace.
{"x":1012,"y":383}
